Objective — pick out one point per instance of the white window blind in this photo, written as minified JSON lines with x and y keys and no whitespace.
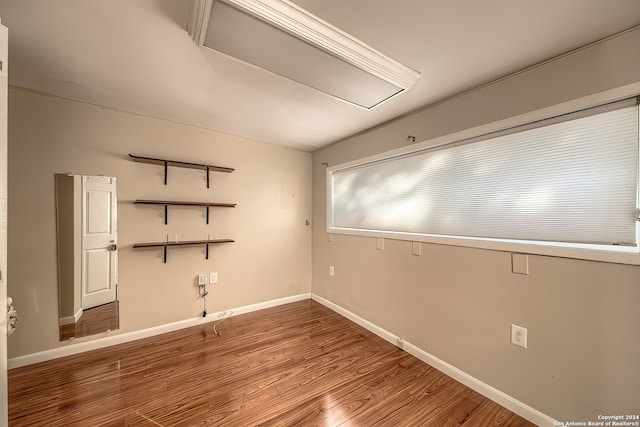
{"x":573,"y":181}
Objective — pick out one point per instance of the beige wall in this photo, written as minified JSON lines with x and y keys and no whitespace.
{"x":458,"y":303}
{"x":271,"y":185}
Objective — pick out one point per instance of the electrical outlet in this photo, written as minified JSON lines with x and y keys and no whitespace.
{"x":213,"y":278}
{"x":519,"y":336}
{"x":202,"y":279}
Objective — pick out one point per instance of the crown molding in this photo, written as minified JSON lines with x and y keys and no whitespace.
{"x":199,"y":20}
{"x":293,"y":19}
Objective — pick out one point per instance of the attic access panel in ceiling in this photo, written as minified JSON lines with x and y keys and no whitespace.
{"x":280,"y":37}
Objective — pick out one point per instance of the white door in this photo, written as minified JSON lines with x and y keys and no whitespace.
{"x":99,"y":241}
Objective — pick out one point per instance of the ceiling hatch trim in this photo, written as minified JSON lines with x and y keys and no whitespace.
{"x":377,"y":76}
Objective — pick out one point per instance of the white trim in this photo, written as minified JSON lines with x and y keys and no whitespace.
{"x":70,"y":320}
{"x":199,"y":20}
{"x":293,"y":19}
{"x":382,"y":333}
{"x":109,"y":338}
{"x":612,"y":254}
{"x":608,"y":96}
{"x":486,"y":390}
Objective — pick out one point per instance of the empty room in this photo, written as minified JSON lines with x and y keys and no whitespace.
{"x":320,"y":213}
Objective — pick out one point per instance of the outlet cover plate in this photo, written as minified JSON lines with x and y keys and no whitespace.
{"x":213,"y":278}
{"x":519,"y":336}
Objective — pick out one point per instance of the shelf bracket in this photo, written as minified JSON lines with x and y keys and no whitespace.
{"x":165,"y":245}
{"x":166,"y":170}
{"x":207,"y":214}
{"x":166,"y":215}
{"x":207,"y":178}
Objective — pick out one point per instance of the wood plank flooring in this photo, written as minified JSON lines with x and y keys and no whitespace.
{"x":93,"y":321}
{"x":298,"y":364}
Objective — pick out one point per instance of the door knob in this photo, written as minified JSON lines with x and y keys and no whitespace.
{"x":113,"y":246}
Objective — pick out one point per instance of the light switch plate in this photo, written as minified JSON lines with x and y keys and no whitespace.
{"x":213,"y":278}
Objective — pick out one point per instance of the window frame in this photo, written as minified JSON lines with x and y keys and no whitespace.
{"x":604,"y":253}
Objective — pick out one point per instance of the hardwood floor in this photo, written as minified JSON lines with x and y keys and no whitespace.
{"x":298,"y":364}
{"x":93,"y":321}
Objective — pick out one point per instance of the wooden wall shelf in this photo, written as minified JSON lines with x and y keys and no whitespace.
{"x":164,"y":245}
{"x":182,"y":203}
{"x":166,"y":163}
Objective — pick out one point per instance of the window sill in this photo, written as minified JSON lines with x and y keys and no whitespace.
{"x":600,"y":253}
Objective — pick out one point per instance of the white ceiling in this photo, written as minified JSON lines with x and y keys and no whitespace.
{"x":135,"y":55}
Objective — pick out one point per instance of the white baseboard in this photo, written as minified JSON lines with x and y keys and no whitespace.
{"x":112,"y":338}
{"x":486,"y":390}
{"x":70,"y":320}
